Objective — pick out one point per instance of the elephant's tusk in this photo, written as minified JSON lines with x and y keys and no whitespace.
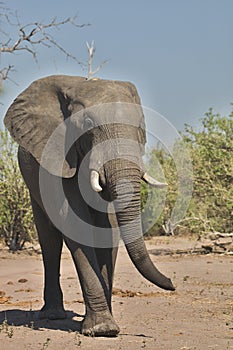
{"x":95,"y":181}
{"x":151,"y":181}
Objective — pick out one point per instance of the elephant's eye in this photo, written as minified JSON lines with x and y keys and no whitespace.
{"x":88,"y":123}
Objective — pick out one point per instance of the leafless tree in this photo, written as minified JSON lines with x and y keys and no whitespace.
{"x":28,"y":37}
{"x":91,"y":50}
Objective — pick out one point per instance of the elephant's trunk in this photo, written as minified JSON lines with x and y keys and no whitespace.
{"x":124,"y":186}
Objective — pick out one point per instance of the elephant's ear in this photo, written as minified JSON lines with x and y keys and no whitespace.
{"x":34,"y":116}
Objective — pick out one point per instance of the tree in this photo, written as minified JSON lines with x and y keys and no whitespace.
{"x":158,"y":199}
{"x":212,"y":152}
{"x":29,"y":37}
{"x":91,"y":51}
{"x":211,"y":206}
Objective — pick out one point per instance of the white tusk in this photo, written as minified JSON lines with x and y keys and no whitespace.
{"x":151,"y":181}
{"x":95,"y":181}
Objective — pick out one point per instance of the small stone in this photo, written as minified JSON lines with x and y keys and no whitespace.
{"x":22,"y":280}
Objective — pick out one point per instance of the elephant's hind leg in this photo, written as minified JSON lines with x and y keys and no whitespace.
{"x":51,"y":242}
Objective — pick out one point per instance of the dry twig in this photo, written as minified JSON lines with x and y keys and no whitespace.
{"x":30,"y":36}
{"x":91,"y":50}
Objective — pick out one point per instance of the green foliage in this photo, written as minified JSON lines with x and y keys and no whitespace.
{"x":211,"y":206}
{"x":212,"y":153}
{"x":153,"y":219}
{"x":16,"y":221}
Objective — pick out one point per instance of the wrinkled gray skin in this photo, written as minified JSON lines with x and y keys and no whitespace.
{"x":31,"y":119}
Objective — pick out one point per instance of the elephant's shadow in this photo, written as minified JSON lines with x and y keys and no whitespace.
{"x":17,"y":317}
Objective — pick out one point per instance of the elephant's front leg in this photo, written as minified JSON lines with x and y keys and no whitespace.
{"x":106,"y":258}
{"x":98,"y":320}
{"x":106,"y":248}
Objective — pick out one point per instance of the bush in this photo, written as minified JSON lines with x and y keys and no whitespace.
{"x":212,"y":153}
{"x":159,"y":198}
{"x":211,"y":206}
{"x":16,"y":219}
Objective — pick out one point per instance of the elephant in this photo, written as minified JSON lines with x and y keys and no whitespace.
{"x":92,"y":113}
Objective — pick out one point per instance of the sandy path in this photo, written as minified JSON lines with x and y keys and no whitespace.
{"x":199,"y":315}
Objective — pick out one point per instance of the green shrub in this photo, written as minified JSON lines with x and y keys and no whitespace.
{"x":211,"y":206}
{"x":211,"y":149}
{"x":16,"y":220}
{"x":159,"y":198}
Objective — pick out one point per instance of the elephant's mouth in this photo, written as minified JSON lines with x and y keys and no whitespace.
{"x":95,"y":181}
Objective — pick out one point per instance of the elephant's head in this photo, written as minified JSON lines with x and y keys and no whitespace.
{"x":105,"y":123}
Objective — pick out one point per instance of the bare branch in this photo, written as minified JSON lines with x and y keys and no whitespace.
{"x":91,"y":50}
{"x":4,"y":75}
{"x":36,"y":29}
{"x":99,"y":67}
{"x":30,"y":36}
{"x":5,"y":72}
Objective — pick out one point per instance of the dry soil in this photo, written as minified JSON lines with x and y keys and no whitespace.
{"x":198,"y":315}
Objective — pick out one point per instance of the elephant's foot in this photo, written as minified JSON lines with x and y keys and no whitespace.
{"x":52,"y":312}
{"x":99,"y":324}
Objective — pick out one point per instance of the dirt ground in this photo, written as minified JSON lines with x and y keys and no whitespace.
{"x":198,"y":315}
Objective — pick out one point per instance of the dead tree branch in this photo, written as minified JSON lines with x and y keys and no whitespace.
{"x":91,"y":50}
{"x":34,"y":34}
{"x":30,"y":36}
{"x":5,"y":72}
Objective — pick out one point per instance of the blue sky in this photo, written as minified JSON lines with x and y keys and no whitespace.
{"x":179,"y":53}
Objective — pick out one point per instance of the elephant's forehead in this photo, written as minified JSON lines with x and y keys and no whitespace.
{"x":102,"y":91}
{"x":115,"y":112}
